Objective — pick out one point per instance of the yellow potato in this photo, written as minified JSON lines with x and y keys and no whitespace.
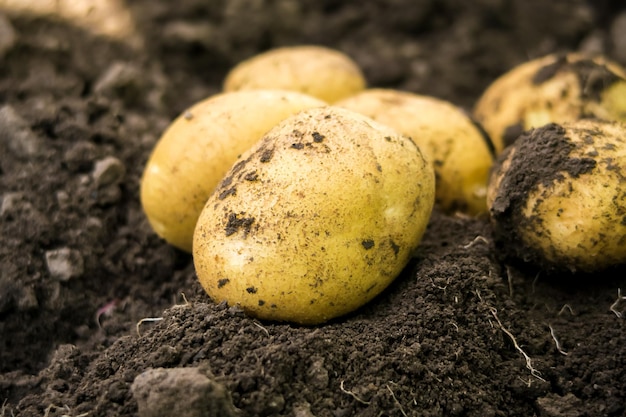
{"x":316,"y":219}
{"x":555,"y":88}
{"x":558,"y":196}
{"x":460,"y":151}
{"x":198,"y":148}
{"x":318,"y":71}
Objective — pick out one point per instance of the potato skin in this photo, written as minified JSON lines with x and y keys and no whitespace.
{"x":557,"y":197}
{"x":555,"y":88}
{"x":199,"y":147}
{"x":316,"y":219}
{"x":320,"y":72}
{"x":461,"y":152}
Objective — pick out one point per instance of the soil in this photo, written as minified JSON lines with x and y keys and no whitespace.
{"x":99,"y":317}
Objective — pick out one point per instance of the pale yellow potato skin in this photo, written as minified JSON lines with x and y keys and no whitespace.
{"x":199,"y":147}
{"x":457,"y":148}
{"x":515,"y":100}
{"x":321,"y":72}
{"x":570,"y":222}
{"x":316,"y":219}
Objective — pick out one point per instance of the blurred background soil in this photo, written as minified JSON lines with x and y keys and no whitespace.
{"x":98,"y":315}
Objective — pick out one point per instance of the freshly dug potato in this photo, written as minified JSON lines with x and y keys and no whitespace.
{"x":199,"y":147}
{"x":555,"y":88}
{"x":558,"y":196}
{"x":460,"y":151}
{"x":320,"y":72}
{"x":316,"y":219}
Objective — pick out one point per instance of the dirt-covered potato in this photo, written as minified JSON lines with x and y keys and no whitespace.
{"x":199,"y":147}
{"x":557,"y":196}
{"x":555,"y":88}
{"x":316,"y":219}
{"x":461,"y":153}
{"x":322,"y":72}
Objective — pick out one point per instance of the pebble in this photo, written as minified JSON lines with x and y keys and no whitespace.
{"x":12,"y":203}
{"x":8,"y":37}
{"x":108,"y":171}
{"x":180,"y":392}
{"x":553,"y":405}
{"x":64,"y":263}
{"x":16,"y":133}
{"x":317,"y":375}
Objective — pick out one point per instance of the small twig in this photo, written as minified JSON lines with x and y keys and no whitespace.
{"x":613,"y":307}
{"x":559,"y":348}
{"x":439,"y":287}
{"x":106,"y":310}
{"x":566,"y":307}
{"x":144,"y":320}
{"x":529,"y":364}
{"x":352,"y":394}
{"x":3,"y":410}
{"x":396,"y":401}
{"x":475,"y":241}
{"x":185,"y":299}
{"x":535,"y":281}
{"x":185,"y":304}
{"x":53,"y":407}
{"x":262,"y":328}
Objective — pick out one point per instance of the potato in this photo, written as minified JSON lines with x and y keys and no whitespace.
{"x":460,"y":151}
{"x":316,"y":219}
{"x":555,"y":88}
{"x":199,"y":147}
{"x":557,"y":196}
{"x":318,"y":71}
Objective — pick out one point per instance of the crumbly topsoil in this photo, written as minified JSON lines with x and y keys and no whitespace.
{"x":99,"y":317}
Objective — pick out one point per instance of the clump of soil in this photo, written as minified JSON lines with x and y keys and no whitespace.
{"x":97,"y":315}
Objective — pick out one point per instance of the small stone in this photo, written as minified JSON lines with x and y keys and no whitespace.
{"x":180,"y":392}
{"x":317,"y":375}
{"x":108,"y":171}
{"x":553,"y":405}
{"x":65,"y":263}
{"x":16,"y":133}
{"x":80,"y":156}
{"x":8,"y":37}
{"x":13,"y":202}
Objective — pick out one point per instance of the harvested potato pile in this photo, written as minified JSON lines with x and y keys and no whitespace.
{"x":320,"y":207}
{"x":459,"y":150}
{"x":316,"y":219}
{"x":571,"y":213}
{"x":555,"y":88}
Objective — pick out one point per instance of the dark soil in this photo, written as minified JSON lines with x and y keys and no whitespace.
{"x":92,"y":303}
